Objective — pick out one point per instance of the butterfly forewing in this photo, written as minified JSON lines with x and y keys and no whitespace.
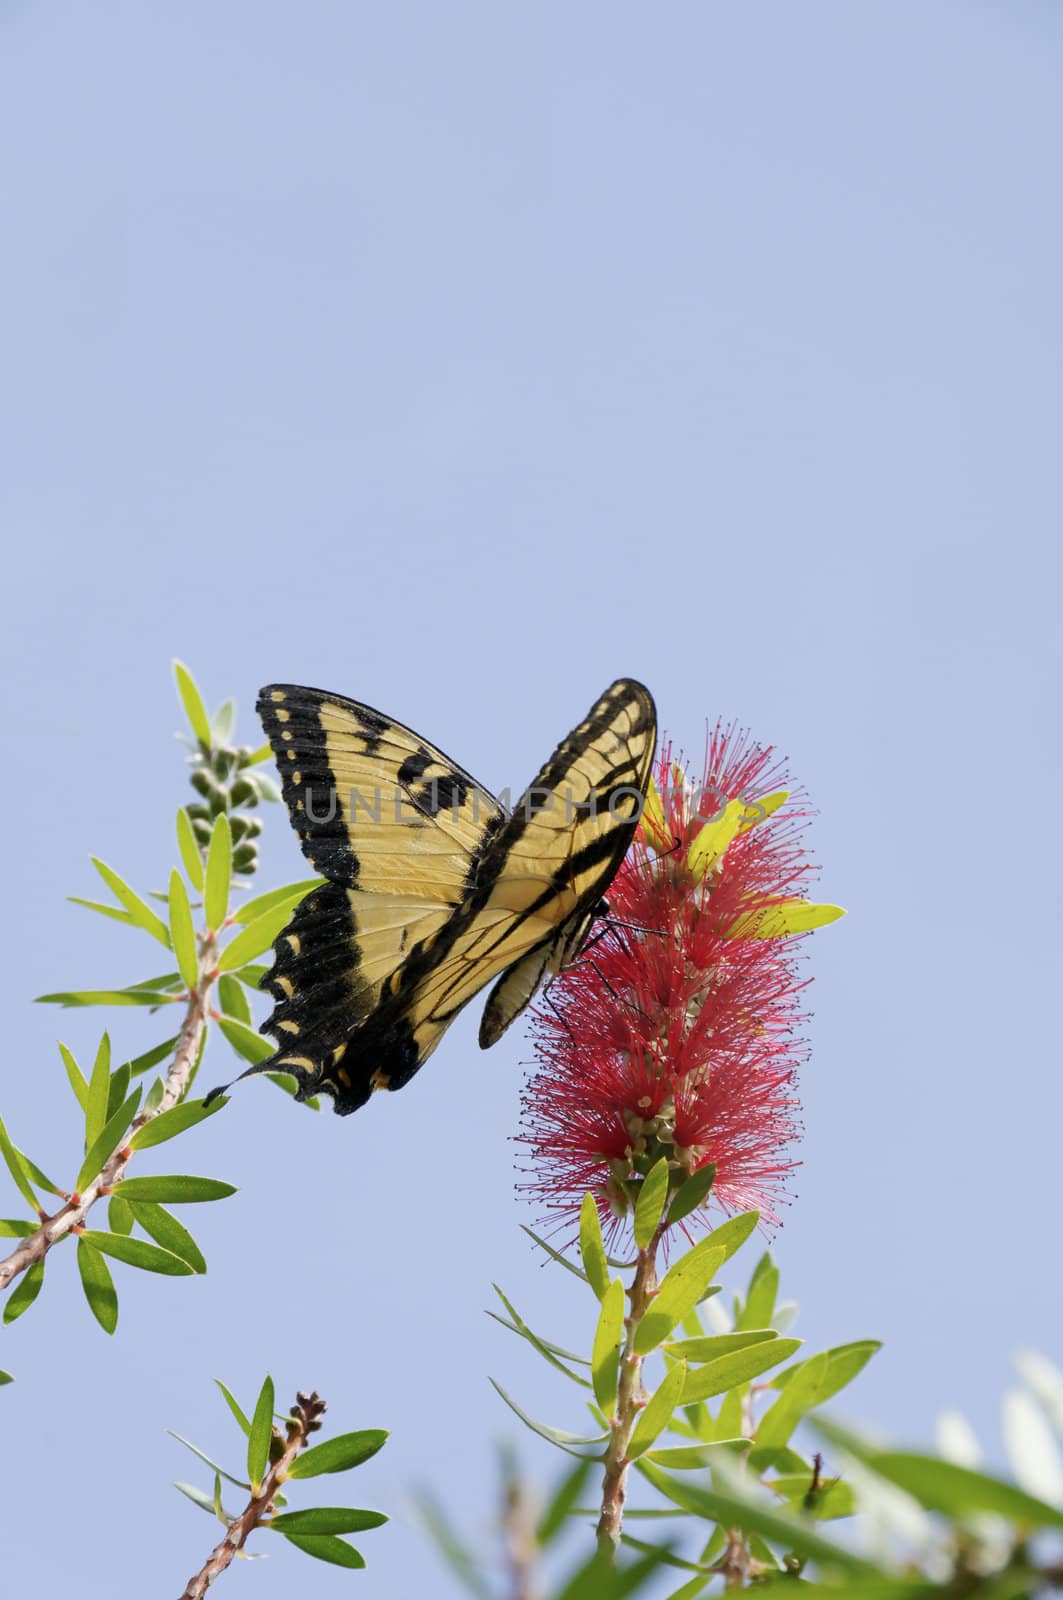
{"x":433,"y":890}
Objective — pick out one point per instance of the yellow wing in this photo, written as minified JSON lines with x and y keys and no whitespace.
{"x":433,"y":889}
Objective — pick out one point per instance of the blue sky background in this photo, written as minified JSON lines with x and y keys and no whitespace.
{"x":459,"y":359}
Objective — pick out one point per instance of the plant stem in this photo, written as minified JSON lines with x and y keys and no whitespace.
{"x":305,"y":1419}
{"x":35,"y":1246}
{"x":629,"y":1401}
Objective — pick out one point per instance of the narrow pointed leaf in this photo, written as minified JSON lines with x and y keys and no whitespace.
{"x":263,"y":753}
{"x":5,"y":1377}
{"x":844,"y":1362}
{"x":257,"y":936}
{"x":152,"y":1057}
{"x":289,"y":894}
{"x":605,"y":1355}
{"x":78,"y":1082}
{"x":712,"y":1346}
{"x":565,"y":1498}
{"x":729,"y":1236}
{"x":340,"y":1454}
{"x":99,"y":1093}
{"x":243,"y":1421}
{"x":191,"y":859}
{"x":213,"y":1465}
{"x":565,"y":1441}
{"x":219,"y":872}
{"x":120,"y":1216}
{"x":692,"y":1193}
{"x":592,"y":1249}
{"x":682,"y":1287}
{"x":174,"y":1189}
{"x":649,"y":1207}
{"x":546,"y":1350}
{"x":183,"y":930}
{"x":35,"y":1175}
{"x":783,"y":919}
{"x":118,"y":1089}
{"x":172,"y":1235}
{"x":716,"y":1377}
{"x":106,"y":997}
{"x":657,"y":1413}
{"x":759,"y":811}
{"x":258,"y":1440}
{"x":25,"y":1292}
{"x":15,"y":1228}
{"x":192,"y":700}
{"x":17,"y":1169}
{"x":116,"y":913}
{"x":326,"y":1547}
{"x":233,"y":999}
{"x":170,"y":1123}
{"x":245,"y":1041}
{"x":107,"y":1142}
{"x":221,"y":724}
{"x":555,"y":1255}
{"x":138,"y":1253}
{"x":760,"y":1301}
{"x":959,"y":1491}
{"x":804,"y":1391}
{"x":139,"y":910}
{"x":98,"y":1285}
{"x":328,"y":1519}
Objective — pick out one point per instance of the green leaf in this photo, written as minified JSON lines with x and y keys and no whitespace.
{"x":340,"y":1454}
{"x":25,"y":1292}
{"x":98,"y":1285}
{"x":5,"y":1377}
{"x":804,"y":1391}
{"x":564,"y":1441}
{"x":733,"y":1233}
{"x":258,"y":1440}
{"x":259,"y":935}
{"x":152,"y":1057}
{"x":328,"y":1519}
{"x":733,"y":1504}
{"x":191,"y":859}
{"x":138,"y":1253}
{"x":760,"y":1301}
{"x":74,"y":1074}
{"x":117,"y":1090}
{"x":120,"y":1216}
{"x":592,"y":1249}
{"x":564,"y":1499}
{"x":692,"y":1193}
{"x":174,"y":1188}
{"x":694,"y":1457}
{"x":844,"y":1361}
{"x":108,"y":1141}
{"x":243,"y":1421}
{"x":172,"y":1235}
{"x":958,"y":1491}
{"x":99,"y":1092}
{"x":114,"y":912}
{"x":233,"y":999}
{"x":221,"y":725}
{"x":555,"y":1255}
{"x":245,"y":1041}
{"x":183,"y":931}
{"x":15,"y":1228}
{"x":213,"y":1465}
{"x":219,"y":872}
{"x":263,"y":753}
{"x":658,"y":1410}
{"x":35,"y":1175}
{"x":325,"y":1547}
{"x":289,"y":894}
{"x":16,"y":1167}
{"x":682,"y":1287}
{"x":106,"y":997}
{"x":649,"y":1207}
{"x":605,"y":1356}
{"x":251,"y":976}
{"x":724,"y":1373}
{"x":192,"y":700}
{"x":712,"y":1346}
{"x":139,"y":910}
{"x":550,"y":1353}
{"x":170,"y":1123}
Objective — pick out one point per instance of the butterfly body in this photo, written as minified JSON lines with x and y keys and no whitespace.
{"x":432,"y":889}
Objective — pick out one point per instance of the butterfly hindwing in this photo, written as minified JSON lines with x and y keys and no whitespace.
{"x":432,"y":889}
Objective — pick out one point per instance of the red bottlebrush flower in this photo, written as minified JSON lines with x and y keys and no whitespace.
{"x":678,"y":1032}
